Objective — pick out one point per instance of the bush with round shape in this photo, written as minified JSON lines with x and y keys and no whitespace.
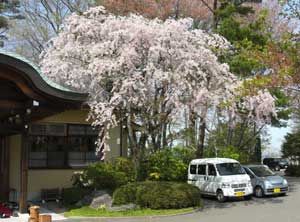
{"x":158,"y":195}
{"x":125,"y":194}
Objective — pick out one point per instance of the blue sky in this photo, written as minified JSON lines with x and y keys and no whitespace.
{"x":276,"y":136}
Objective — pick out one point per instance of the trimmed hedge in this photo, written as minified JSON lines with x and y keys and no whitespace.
{"x":293,"y":171}
{"x":73,"y":195}
{"x":158,"y":195}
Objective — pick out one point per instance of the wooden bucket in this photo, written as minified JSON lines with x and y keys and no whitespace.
{"x":45,"y":218}
{"x":34,"y":212}
{"x":32,"y":219}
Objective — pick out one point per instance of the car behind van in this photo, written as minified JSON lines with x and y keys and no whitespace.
{"x":265,"y":181}
{"x":276,"y":163}
{"x":220,"y":177}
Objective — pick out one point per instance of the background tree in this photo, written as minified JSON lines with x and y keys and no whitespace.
{"x":234,"y":20}
{"x":257,"y":32}
{"x":42,"y":21}
{"x":204,"y":12}
{"x":198,"y":10}
{"x":291,"y":146}
{"x":8,"y":10}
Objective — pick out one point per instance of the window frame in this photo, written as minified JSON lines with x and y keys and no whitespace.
{"x":190,"y":168}
{"x":66,"y":138}
{"x":202,"y":165}
{"x":208,"y":170}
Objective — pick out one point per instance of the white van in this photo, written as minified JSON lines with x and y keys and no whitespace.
{"x":220,"y":177}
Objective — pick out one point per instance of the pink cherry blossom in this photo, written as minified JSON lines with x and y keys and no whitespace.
{"x":148,"y":70}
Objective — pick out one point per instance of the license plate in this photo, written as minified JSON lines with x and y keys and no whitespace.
{"x":276,"y":190}
{"x":239,"y":194}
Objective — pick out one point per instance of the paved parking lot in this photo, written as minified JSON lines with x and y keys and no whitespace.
{"x":269,"y":209}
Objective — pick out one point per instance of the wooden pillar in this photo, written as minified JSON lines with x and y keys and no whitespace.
{"x":7,"y":162}
{"x":4,"y":168}
{"x":24,"y":173}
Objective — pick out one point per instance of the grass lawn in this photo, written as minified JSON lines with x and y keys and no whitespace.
{"x":89,"y":212}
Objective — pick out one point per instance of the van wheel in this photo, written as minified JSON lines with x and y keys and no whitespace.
{"x":249,"y":197}
{"x":277,"y":168}
{"x":259,"y":192}
{"x":283,"y":194}
{"x":220,"y":196}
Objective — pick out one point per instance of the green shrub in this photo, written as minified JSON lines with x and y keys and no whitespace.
{"x":293,"y":171}
{"x":125,"y":194}
{"x":167,"y":165}
{"x":186,"y":154}
{"x":158,"y":195}
{"x":125,"y":166}
{"x":73,"y":195}
{"x":105,"y":175}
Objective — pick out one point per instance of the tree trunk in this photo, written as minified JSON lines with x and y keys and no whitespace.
{"x":215,"y":17}
{"x":164,"y":135}
{"x":229,"y":136}
{"x":201,"y":140}
{"x":191,"y":137}
{"x":134,"y":145}
{"x":258,"y":149}
{"x":177,"y":10}
{"x":242,"y":132}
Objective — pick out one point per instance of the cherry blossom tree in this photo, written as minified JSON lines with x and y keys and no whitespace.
{"x":145,"y":73}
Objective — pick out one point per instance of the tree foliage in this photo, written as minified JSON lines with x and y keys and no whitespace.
{"x":291,"y":146}
{"x":167,"y":164}
{"x":246,"y":37}
{"x":198,"y":10}
{"x":9,"y":9}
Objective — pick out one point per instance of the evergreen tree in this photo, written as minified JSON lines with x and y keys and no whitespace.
{"x":291,"y":146}
{"x":246,"y":35}
{"x":249,"y":33}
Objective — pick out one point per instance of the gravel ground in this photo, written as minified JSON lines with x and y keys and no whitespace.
{"x":268,"y":209}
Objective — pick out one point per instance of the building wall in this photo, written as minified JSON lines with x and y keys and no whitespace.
{"x":47,"y":179}
{"x":58,"y":178}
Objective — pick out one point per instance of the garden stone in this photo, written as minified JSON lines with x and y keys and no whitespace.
{"x":101,"y":200}
{"x":96,"y":199}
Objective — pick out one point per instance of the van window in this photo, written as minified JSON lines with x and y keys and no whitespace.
{"x":212,"y":170}
{"x":193,"y":169}
{"x":202,"y":169}
{"x":226,"y":169}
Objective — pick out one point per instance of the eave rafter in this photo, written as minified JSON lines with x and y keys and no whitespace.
{"x":27,"y":95}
